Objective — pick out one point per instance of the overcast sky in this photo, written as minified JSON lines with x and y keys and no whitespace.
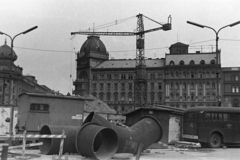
{"x":48,"y":52}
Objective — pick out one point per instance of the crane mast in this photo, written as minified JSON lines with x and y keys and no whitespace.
{"x":140,"y":82}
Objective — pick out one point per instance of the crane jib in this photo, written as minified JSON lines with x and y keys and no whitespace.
{"x":106,"y":33}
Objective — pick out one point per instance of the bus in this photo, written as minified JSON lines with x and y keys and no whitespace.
{"x":212,"y":126}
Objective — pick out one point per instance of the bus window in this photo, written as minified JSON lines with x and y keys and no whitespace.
{"x":227,"y":117}
{"x":207,"y":116}
{"x":220,"y":116}
{"x":190,"y":116}
{"x":237,"y":117}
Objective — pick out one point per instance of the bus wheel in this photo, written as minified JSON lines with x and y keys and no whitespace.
{"x":215,"y":140}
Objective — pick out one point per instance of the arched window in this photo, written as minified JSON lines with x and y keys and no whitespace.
{"x":108,"y":96}
{"x":171,"y":63}
{"x":181,"y":62}
{"x":202,"y":62}
{"x":236,"y":77}
{"x":101,"y":96}
{"x":122,"y":96}
{"x":233,"y":89}
{"x":212,"y":62}
{"x":192,"y":62}
{"x":130,"y":96}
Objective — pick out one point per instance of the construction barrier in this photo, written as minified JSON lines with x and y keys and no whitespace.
{"x":24,"y":136}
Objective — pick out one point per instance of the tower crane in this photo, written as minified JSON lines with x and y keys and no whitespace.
{"x":140,"y":83}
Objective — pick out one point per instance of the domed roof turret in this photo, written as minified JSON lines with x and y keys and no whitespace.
{"x":5,"y":53}
{"x":94,"y":44}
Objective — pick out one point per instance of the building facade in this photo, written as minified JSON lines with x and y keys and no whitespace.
{"x":112,"y":81}
{"x":12,"y":80}
{"x":190,"y":78}
{"x":180,"y":79}
{"x":231,"y":86}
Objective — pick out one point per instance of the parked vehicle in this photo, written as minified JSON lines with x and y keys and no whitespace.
{"x":215,"y":126}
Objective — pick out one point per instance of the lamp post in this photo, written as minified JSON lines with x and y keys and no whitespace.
{"x":10,"y":75}
{"x":217,"y":51}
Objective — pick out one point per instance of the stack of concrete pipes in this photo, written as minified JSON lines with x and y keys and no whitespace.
{"x":100,"y":139}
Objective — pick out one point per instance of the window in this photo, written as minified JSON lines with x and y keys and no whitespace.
{"x":95,"y":76}
{"x":202,"y":62}
{"x":101,"y":86}
{"x":236,"y":78}
{"x":101,"y":76}
{"x":152,"y":76}
{"x":184,"y":97}
{"x":171,"y":63}
{"x":115,"y":76}
{"x":108,"y":86}
{"x":152,"y":96}
{"x":130,"y":86}
{"x":130,"y":76}
{"x":160,"y":75}
{"x":212,"y":62}
{"x":159,"y":86}
{"x":181,"y":62}
{"x":108,"y":96}
{"x":101,"y":95}
{"x":123,"y":76}
{"x":115,"y":96}
{"x":190,"y":116}
{"x":152,"y":86}
{"x":130,"y":97}
{"x":192,"y":62}
{"x":94,"y":86}
{"x":233,"y":89}
{"x":123,"y":86}
{"x":122,"y":96}
{"x":115,"y":86}
{"x":109,"y":76}
{"x":37,"y":107}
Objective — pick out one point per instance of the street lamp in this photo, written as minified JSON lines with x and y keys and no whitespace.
{"x":217,"y":51}
{"x":10,"y":85}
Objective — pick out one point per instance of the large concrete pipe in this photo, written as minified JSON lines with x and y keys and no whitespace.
{"x":147,"y":131}
{"x":52,"y":145}
{"x":96,"y":141}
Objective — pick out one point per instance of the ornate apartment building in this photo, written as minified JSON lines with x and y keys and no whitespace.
{"x":231,"y":86}
{"x":12,"y":81}
{"x":190,"y":78}
{"x":112,"y":81}
{"x":180,"y":79}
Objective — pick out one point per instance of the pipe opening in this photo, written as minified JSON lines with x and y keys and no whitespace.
{"x":47,"y":142}
{"x":96,"y":141}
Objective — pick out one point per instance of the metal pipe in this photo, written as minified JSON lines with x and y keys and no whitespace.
{"x":52,"y":145}
{"x":147,"y":131}
{"x":96,"y":141}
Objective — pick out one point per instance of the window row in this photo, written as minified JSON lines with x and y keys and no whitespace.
{"x":122,"y":86}
{"x":124,"y":96}
{"x":125,"y":76}
{"x":193,"y":86}
{"x":192,"y":74}
{"x":192,"y":62}
{"x":192,"y":97}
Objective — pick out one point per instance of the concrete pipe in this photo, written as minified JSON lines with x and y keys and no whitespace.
{"x":146,"y":132}
{"x":96,"y":141}
{"x":51,"y":145}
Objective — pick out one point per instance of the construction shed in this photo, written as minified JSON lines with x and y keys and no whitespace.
{"x":36,"y":110}
{"x":169,"y":118}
